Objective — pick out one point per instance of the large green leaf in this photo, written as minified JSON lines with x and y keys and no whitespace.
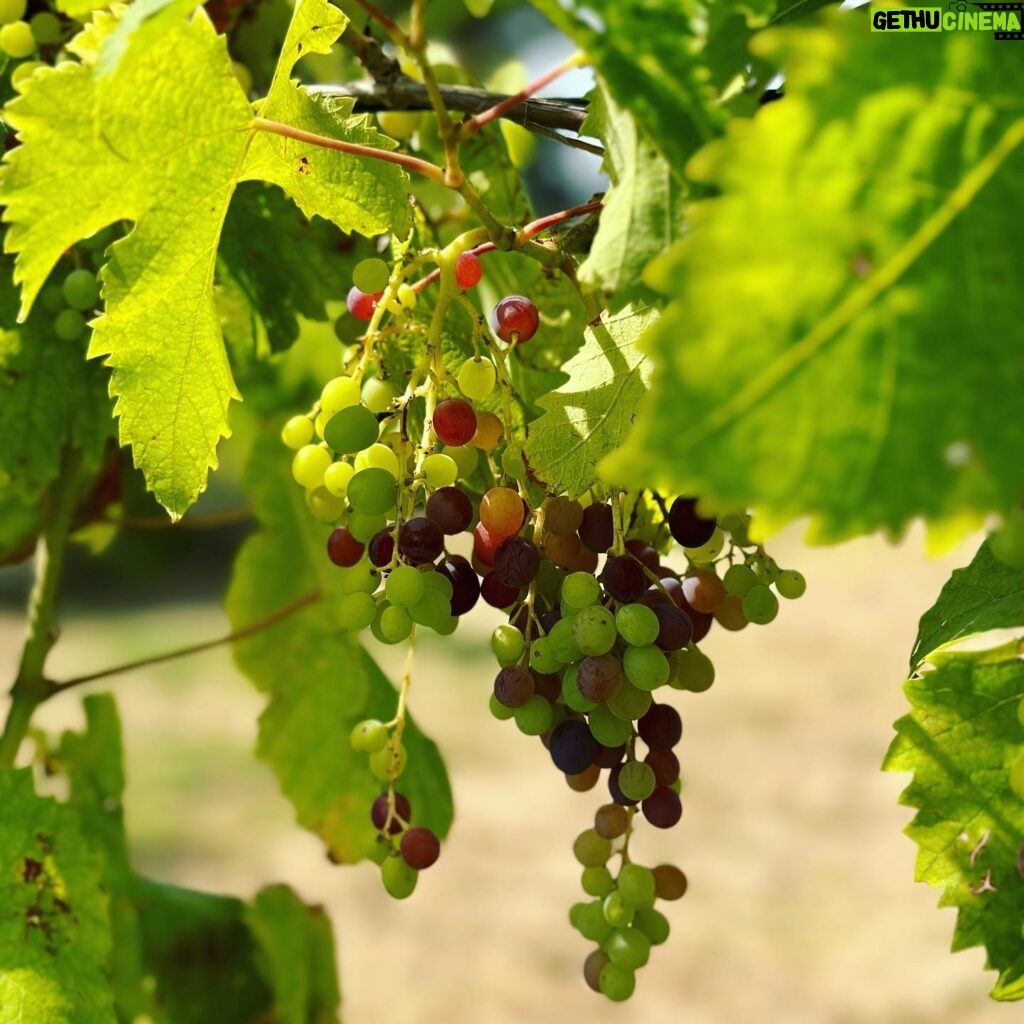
{"x":591,"y":414}
{"x":842,"y":342}
{"x":168,"y":159}
{"x":960,"y":738}
{"x":318,"y":680}
{"x":54,"y":927}
{"x":985,"y":595}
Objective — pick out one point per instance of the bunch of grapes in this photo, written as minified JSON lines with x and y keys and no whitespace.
{"x":24,"y":35}
{"x":599,"y":627}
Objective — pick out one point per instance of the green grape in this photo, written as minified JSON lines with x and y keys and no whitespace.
{"x":12,"y":10}
{"x":432,"y":610}
{"x":739,"y":579}
{"x":372,"y":491}
{"x":371,"y":275}
{"x":339,"y":393}
{"x":629,"y":948}
{"x":382,"y":760}
{"x":692,"y":670}
{"x":81,"y":290}
{"x":337,"y":477}
{"x":597,"y":881}
{"x":512,"y":462}
{"x":45,"y":27}
{"x":790,"y":584}
{"x":378,"y":456}
{"x":635,"y":882}
{"x":591,"y":922}
{"x":500,"y":712}
{"x":571,"y":692}
{"x":593,"y":628}
{"x":653,"y":923}
{"x":395,"y":623}
{"x":466,"y":458}
{"x":534,"y":717}
{"x":617,"y":912}
{"x":24,"y":71}
{"x":646,"y":667}
{"x":320,"y":424}
{"x":629,"y":702}
{"x":542,"y":656}
{"x":323,"y":505}
{"x":369,"y":736}
{"x":607,"y":728}
{"x":405,"y":586}
{"x":357,"y":579}
{"x":591,"y":849}
{"x":580,"y":590}
{"x":440,"y":470}
{"x":357,"y":610}
{"x":476,"y":378}
{"x":363,"y":525}
{"x":617,"y":983}
{"x":378,"y":394}
{"x":636,"y":780}
{"x":309,"y":465}
{"x":399,"y":879}
{"x":709,"y":550}
{"x":17,"y":41}
{"x":637,"y":624}
{"x":351,"y":430}
{"x":508,"y":643}
{"x":51,"y":299}
{"x":563,"y":645}
{"x":1017,"y":777}
{"x":297,"y":432}
{"x":438,"y":583}
{"x":760,"y":605}
{"x":399,"y":124}
{"x":69,"y":325}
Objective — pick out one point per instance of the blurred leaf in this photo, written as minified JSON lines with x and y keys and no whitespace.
{"x":591,"y":414}
{"x":842,"y":341}
{"x":54,"y":928}
{"x":960,"y":739}
{"x":318,"y":680}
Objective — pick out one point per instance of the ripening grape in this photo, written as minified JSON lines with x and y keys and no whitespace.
{"x":476,"y":378}
{"x":669,"y":882}
{"x":69,"y":325}
{"x":454,"y":422}
{"x":703,"y":590}
{"x":351,"y":430}
{"x":17,"y":41}
{"x":45,"y":27}
{"x":791,"y":584}
{"x":502,"y":511}
{"x":468,"y":270}
{"x":562,"y":516}
{"x":405,"y":586}
{"x":515,"y":319}
{"x":369,"y":736}
{"x":489,"y":432}
{"x":377,"y":395}
{"x":81,"y":290}
{"x":371,"y":275}
{"x":399,"y":879}
{"x":309,"y":465}
{"x":360,"y":304}
{"x":12,"y":10}
{"x":597,"y":528}
{"x":562,"y":551}
{"x":514,"y":686}
{"x":611,"y":821}
{"x":440,"y":470}
{"x":760,"y":605}
{"x":662,"y":808}
{"x":592,"y":967}
{"x":516,"y":561}
{"x":343,"y":549}
{"x":297,"y":432}
{"x":451,"y":509}
{"x":571,"y":695}
{"x":339,"y":393}
{"x":687,"y":527}
{"x":585,"y":780}
{"x":591,"y":849}
{"x":692,"y":670}
{"x":729,"y":614}
{"x":420,"y":540}
{"x":372,"y":491}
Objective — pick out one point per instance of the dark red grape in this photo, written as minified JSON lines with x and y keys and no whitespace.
{"x":451,"y":509}
{"x":548,"y":685}
{"x":665,"y":765}
{"x":516,"y":562}
{"x":420,"y":848}
{"x":382,"y":547}
{"x":496,"y":594}
{"x":454,"y":421}
{"x":661,"y":727}
{"x":420,"y":540}
{"x":593,"y":966}
{"x":663,"y":808}
{"x":343,"y":549}
{"x":597,"y":529}
{"x":360,"y":304}
{"x":515,"y":319}
{"x":585,"y":780}
{"x":468,"y":270}
{"x":644,"y":554}
{"x":572,"y":747}
{"x":563,"y":517}
{"x":613,"y":787}
{"x":669,"y":882}
{"x":688,"y":528}
{"x":599,"y":678}
{"x":548,"y":619}
{"x":676,"y":627}
{"x":609,"y":757}
{"x":464,"y":581}
{"x":701,"y":624}
{"x":513,"y":686}
{"x":379,"y":812}
{"x":623,"y":578}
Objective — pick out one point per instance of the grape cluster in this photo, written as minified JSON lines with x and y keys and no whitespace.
{"x":23,"y":36}
{"x":599,"y":627}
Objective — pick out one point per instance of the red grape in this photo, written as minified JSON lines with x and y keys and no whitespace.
{"x":516,"y":562}
{"x":382,"y":547}
{"x":515,"y":319}
{"x":454,"y":422}
{"x":665,"y":765}
{"x":688,"y":528}
{"x":379,"y":812}
{"x":597,"y":528}
{"x":513,"y":686}
{"x":420,"y":848}
{"x":451,"y":509}
{"x":669,"y":882}
{"x":703,"y":590}
{"x":420,"y":540}
{"x":468,"y":270}
{"x":465,"y":585}
{"x":502,"y":511}
{"x":496,"y":593}
{"x":360,"y":304}
{"x":599,"y":677}
{"x":663,"y":808}
{"x":623,"y":578}
{"x":485,"y":543}
{"x":343,"y":549}
{"x":661,"y":728}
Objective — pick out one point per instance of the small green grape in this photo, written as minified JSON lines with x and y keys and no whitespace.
{"x":399,"y":879}
{"x":351,"y":430}
{"x":70,"y":325}
{"x":791,"y":584}
{"x":580,"y":590}
{"x":542,"y":656}
{"x":12,"y":10}
{"x":653,"y":923}
{"x":369,"y":736}
{"x":629,"y":948}
{"x":691,"y":669}
{"x":363,"y":525}
{"x":395,"y":624}
{"x":571,"y":693}
{"x":16,"y":39}
{"x":647,"y":668}
{"x":636,"y":883}
{"x":597,"y":881}
{"x":617,"y":912}
{"x":381,"y":763}
{"x":476,"y":378}
{"x":440,"y":470}
{"x":563,"y":645}
{"x":534,"y":717}
{"x":507,"y":643}
{"x":1017,"y":777}
{"x":593,"y":629}
{"x":616,"y":982}
{"x":607,"y":728}
{"x":465,"y":457}
{"x":760,"y":605}
{"x":360,"y":578}
{"x":357,"y":610}
{"x":406,"y":296}
{"x":499,"y":710}
{"x":337,"y":477}
{"x":45,"y":27}
{"x":432,"y":610}
{"x":739,"y":579}
{"x":378,"y":456}
{"x":371,"y":275}
{"x":636,"y":780}
{"x":372,"y":491}
{"x":637,"y":624}
{"x":298,"y":431}
{"x":81,"y":289}
{"x":309,"y":465}
{"x":323,"y":505}
{"x":399,"y":124}
{"x":591,"y":849}
{"x":629,"y":702}
{"x":378,"y":394}
{"x":51,"y":299}
{"x":591,"y":922}
{"x":405,"y":586}
{"x":339,"y":393}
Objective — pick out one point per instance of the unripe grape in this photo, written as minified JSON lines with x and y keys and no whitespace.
{"x":357,"y":611}
{"x":653,"y":924}
{"x":760,"y":605}
{"x":591,"y":849}
{"x":369,"y":736}
{"x":360,"y":304}
{"x":399,"y":124}
{"x":323,"y":505}
{"x":81,"y":289}
{"x":372,"y":491}
{"x":351,"y":430}
{"x":399,"y":879}
{"x":636,"y":780}
{"x":378,"y":456}
{"x":534,"y":717}
{"x":476,"y":378}
{"x":465,"y":458}
{"x":791,"y":584}
{"x":377,"y":394}
{"x":515,"y":319}
{"x":406,"y":296}
{"x":502,"y":511}
{"x":405,"y":586}
{"x":16,"y":39}
{"x":709,"y":550}
{"x":440,"y":470}
{"x":507,"y":643}
{"x":580,"y":590}
{"x":309,"y":465}
{"x":468,"y":270}
{"x":337,"y":477}
{"x":45,"y":27}
{"x":70,"y":325}
{"x":297,"y":432}
{"x":371,"y":275}
{"x":628,"y":948}
{"x":739,"y":579}
{"x":395,"y":624}
{"x":339,"y":393}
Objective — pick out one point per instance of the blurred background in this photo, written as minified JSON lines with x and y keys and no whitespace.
{"x":802,"y":906}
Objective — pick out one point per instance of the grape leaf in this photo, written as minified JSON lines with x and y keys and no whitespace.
{"x":983,"y":595}
{"x":49,"y":397}
{"x":959,"y":739}
{"x":590,"y":415}
{"x":168,"y":160}
{"x":318,"y":680}
{"x":863,"y":369}
{"x":643,"y":210}
{"x":54,"y":929}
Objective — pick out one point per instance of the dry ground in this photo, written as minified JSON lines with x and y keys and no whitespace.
{"x":802,"y":907}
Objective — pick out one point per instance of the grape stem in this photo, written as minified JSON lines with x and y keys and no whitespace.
{"x":399,"y":725}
